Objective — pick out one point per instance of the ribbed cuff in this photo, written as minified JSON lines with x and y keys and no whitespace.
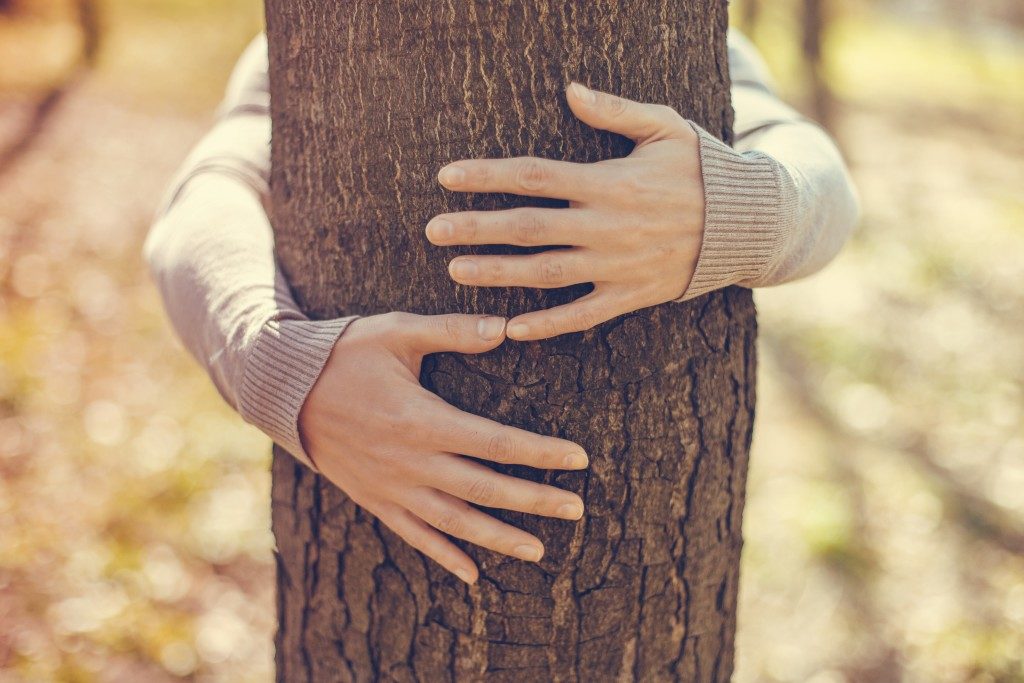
{"x":284,"y":364}
{"x":746,"y":213}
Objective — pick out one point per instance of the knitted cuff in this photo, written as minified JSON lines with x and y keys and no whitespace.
{"x":284,"y":364}
{"x":745,"y":215}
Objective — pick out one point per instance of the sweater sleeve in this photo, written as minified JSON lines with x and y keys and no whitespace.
{"x":210,"y":252}
{"x":778,"y":205}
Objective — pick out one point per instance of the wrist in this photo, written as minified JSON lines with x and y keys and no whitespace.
{"x":286,"y":359}
{"x":747,"y":206}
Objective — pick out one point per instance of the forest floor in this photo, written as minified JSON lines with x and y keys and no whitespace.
{"x":884,"y":525}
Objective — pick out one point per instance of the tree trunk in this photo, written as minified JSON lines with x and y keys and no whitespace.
{"x":369,"y":100}
{"x":813,"y":21}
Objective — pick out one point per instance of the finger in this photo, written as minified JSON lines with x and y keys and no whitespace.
{"x":524,"y":227}
{"x":456,"y":517}
{"x":450,"y":332}
{"x":577,"y":316}
{"x":527,"y":176}
{"x":636,"y":120}
{"x":457,"y":431}
{"x":477,"y":483}
{"x":429,"y":541}
{"x":553,"y":268}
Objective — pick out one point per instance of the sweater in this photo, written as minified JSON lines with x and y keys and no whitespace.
{"x":779,"y":205}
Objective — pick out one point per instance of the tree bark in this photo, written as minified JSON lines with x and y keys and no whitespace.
{"x":369,"y":100}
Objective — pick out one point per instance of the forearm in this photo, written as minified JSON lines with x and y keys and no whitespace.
{"x":210,"y":250}
{"x":211,"y":256}
{"x":191,"y":260}
{"x":819,"y":202}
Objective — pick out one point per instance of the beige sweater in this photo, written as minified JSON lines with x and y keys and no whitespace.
{"x":779,"y":205}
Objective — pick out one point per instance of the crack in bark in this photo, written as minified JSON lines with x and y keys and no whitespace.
{"x":312,"y":576}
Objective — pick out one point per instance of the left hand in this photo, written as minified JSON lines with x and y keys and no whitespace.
{"x":633,"y":226}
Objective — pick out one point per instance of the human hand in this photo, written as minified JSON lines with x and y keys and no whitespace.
{"x":397,"y":449}
{"x":633,"y":226}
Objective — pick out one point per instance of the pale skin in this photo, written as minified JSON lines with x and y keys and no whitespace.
{"x":633,"y":228}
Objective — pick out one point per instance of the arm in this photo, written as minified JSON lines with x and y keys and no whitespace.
{"x":211,"y":254}
{"x":682,"y":215}
{"x":366,"y":423}
{"x":778,"y":205}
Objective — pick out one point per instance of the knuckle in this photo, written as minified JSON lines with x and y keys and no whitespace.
{"x":480,"y":173}
{"x":406,"y":417}
{"x":551,"y":270}
{"x":500,"y":448}
{"x":538,"y":505}
{"x":583,"y":319}
{"x":451,"y":523}
{"x":468,"y":226}
{"x":482,"y":491}
{"x":631,"y":235}
{"x":635,"y":190}
{"x":396,"y":464}
{"x":528,"y":229}
{"x":395,"y":319}
{"x":496,"y":268}
{"x":530,"y":175}
{"x":606,"y":182}
{"x":632,"y":185}
{"x":667,"y":252}
{"x":614,"y":105}
{"x":667,"y":113}
{"x":430,"y":431}
{"x":446,"y":326}
{"x":450,"y":327}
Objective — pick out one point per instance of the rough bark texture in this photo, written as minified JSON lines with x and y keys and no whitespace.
{"x":369,"y":100}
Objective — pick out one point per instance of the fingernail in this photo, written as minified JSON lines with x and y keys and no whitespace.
{"x":451,"y":175}
{"x":517,"y":330}
{"x":463,"y":268}
{"x":570,"y":511}
{"x":528,"y":552}
{"x":464,"y":574}
{"x":585,"y":95}
{"x":440,"y":230}
{"x":490,"y":328}
{"x":576,"y":461}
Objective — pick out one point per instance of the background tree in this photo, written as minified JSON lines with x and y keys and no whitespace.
{"x":86,"y":17}
{"x":814,"y":21}
{"x":369,"y":100}
{"x":750,"y":14}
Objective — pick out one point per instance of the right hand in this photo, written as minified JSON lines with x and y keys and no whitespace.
{"x":397,"y":449}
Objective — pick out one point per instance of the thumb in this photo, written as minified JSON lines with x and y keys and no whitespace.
{"x":452,"y":332}
{"x":636,"y":120}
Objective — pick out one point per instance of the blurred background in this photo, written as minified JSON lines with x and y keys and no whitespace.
{"x":885,"y":520}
